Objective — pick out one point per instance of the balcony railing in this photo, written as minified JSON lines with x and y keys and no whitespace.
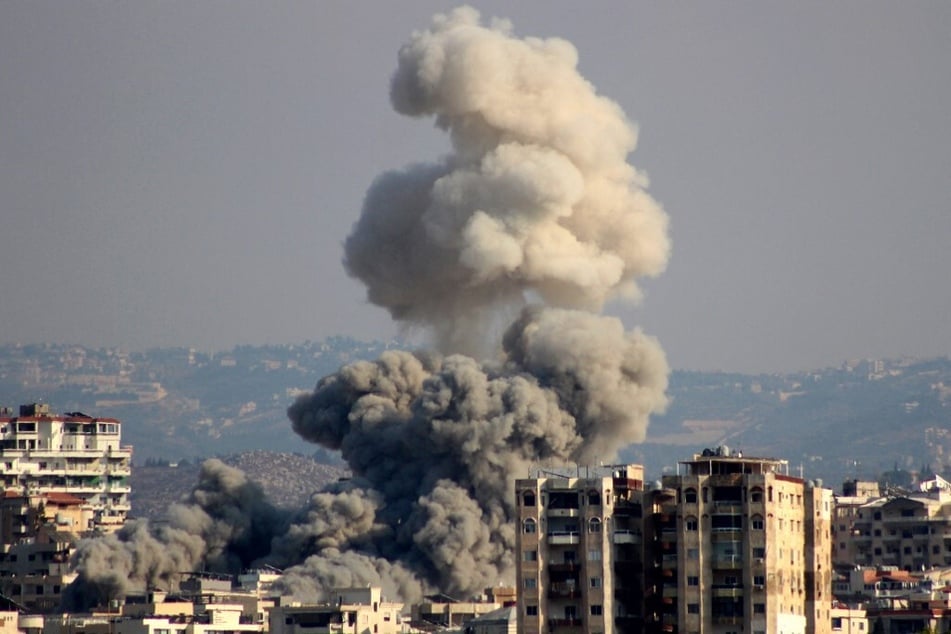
{"x":728,"y":561}
{"x":560,"y":538}
{"x":563,"y":591}
{"x":627,"y":536}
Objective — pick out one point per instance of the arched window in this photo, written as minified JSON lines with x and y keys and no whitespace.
{"x":757,"y":523}
{"x":594,"y":525}
{"x":528,"y":499}
{"x":690,"y":496}
{"x":756,"y":494}
{"x":529,"y":526}
{"x":691,"y":523}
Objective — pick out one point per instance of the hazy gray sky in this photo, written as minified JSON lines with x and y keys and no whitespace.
{"x":180,"y":173}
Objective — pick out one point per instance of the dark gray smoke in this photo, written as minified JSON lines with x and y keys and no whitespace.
{"x":534,"y":216}
{"x":436,"y":441}
{"x":224,"y":524}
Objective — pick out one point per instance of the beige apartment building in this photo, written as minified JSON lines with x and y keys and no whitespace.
{"x":580,"y":547}
{"x":727,"y":545}
{"x":753,"y":548}
{"x":911,"y":531}
{"x":74,"y":454}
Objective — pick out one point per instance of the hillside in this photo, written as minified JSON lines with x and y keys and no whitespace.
{"x":288,"y":480}
{"x":181,"y":404}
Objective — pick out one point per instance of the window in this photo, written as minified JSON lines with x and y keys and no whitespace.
{"x":528,"y":499}
{"x":756,"y":522}
{"x":693,"y":553}
{"x":595,"y":582}
{"x":529,"y":526}
{"x":756,"y":495}
{"x":690,"y":496}
{"x":594,"y":526}
{"x":594,"y":555}
{"x":529,"y":583}
{"x":693,"y":580}
{"x":759,"y":552}
{"x":693,"y":608}
{"x":596,"y":609}
{"x":530,"y":555}
{"x":692,"y":524}
{"x":759,"y":608}
{"x":594,"y":498}
{"x":759,"y":580}
{"x":531,"y":610}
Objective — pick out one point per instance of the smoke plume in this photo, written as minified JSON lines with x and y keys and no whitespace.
{"x":533,"y":218}
{"x":535,"y":200}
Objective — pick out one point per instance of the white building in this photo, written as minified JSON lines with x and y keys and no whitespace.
{"x":74,"y":454}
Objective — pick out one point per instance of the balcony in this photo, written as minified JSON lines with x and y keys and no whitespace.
{"x":627,"y":536}
{"x":563,"y":538}
{"x":561,"y":513}
{"x":562,"y":566}
{"x":732,"y":619}
{"x":566,"y":622}
{"x":732,"y":534}
{"x":728,"y":591}
{"x":564,"y":591}
{"x":734,"y":507}
{"x":728,"y":561}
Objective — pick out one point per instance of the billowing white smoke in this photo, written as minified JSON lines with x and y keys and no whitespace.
{"x":536,"y":196}
{"x":534,"y":216}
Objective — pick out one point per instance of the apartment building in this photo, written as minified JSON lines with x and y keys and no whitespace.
{"x":580,"y":550}
{"x":745,"y":547}
{"x":855,"y":494}
{"x":911,"y":531}
{"x":81,"y":456}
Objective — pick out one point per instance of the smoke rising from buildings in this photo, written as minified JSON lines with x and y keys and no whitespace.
{"x":535,"y":216}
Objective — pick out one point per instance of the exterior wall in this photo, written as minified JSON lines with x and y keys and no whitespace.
{"x":819,"y":573}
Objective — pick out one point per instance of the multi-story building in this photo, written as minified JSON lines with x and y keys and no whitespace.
{"x":911,"y":531}
{"x":349,"y":611}
{"x":445,"y":612}
{"x":855,"y":494}
{"x":747,"y":547}
{"x":43,"y":453}
{"x":34,"y":573}
{"x":580,"y":551}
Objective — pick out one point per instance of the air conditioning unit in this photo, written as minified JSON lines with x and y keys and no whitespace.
{"x":760,"y":560}
{"x":757,"y":586}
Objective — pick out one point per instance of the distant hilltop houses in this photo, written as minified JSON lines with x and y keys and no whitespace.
{"x":728,"y":542}
{"x":185,"y":403}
